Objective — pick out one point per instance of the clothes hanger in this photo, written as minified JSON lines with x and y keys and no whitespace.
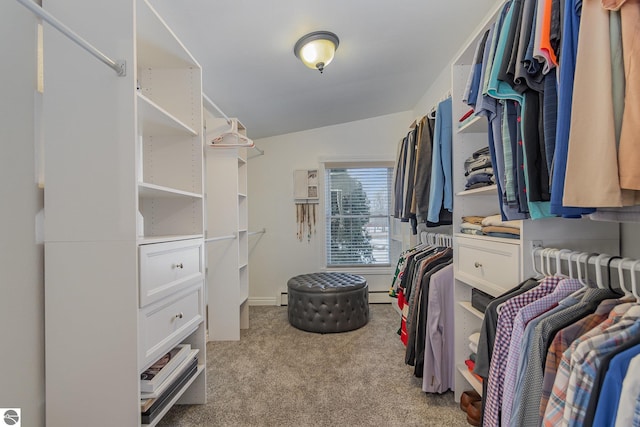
{"x":621,"y":276}
{"x":559,"y":261}
{"x":544,"y":266}
{"x":580,"y":269}
{"x":586,"y":267}
{"x":634,"y":287}
{"x":609,"y":284}
{"x":583,"y":289}
{"x":548,"y":256}
{"x":570,"y":264}
{"x":599,"y":281}
{"x":533,"y":262}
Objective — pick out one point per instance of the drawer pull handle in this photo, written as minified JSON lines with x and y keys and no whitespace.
{"x":179,"y":315}
{"x":179,"y":265}
{"x":477,"y":264}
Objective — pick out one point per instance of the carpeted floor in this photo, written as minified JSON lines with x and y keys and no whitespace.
{"x":277,"y":375}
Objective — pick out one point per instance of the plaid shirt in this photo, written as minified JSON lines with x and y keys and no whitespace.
{"x":506,"y":316}
{"x":586,"y":359}
{"x":527,"y":415}
{"x":554,"y":413}
{"x":562,"y":289}
{"x":636,"y":414}
{"x":563,"y":340}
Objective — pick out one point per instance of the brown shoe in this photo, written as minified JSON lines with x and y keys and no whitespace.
{"x":474,"y":413}
{"x":467,"y":397}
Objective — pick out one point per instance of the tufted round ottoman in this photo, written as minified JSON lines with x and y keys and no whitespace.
{"x":328,"y":302}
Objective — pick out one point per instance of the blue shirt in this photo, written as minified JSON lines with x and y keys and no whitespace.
{"x":612,"y":386}
{"x":441,"y":189}
{"x":569,"y":49}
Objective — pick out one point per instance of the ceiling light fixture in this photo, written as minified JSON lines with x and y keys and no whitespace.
{"x":316,"y":49}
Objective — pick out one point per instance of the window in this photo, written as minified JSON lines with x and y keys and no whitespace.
{"x":357,"y":207}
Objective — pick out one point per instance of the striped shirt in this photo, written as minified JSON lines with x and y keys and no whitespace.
{"x":554,"y":413}
{"x":506,"y":316}
{"x":584,"y":357}
{"x":563,"y":288}
{"x":563,"y":340}
{"x":527,"y":415}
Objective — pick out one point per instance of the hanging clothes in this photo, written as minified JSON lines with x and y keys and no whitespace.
{"x":439,"y":372}
{"x":592,"y":156}
{"x":423,"y":284}
{"x":441,"y":188}
{"x":423,"y":169}
{"x":629,"y":155}
{"x":555,"y":353}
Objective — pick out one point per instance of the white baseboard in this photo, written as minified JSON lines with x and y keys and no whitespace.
{"x":263,"y":301}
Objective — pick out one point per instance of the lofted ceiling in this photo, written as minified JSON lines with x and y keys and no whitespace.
{"x":389,"y":53}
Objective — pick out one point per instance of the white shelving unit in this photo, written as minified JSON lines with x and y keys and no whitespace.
{"x":227,"y":215}
{"x":125,"y":222}
{"x":495,"y":265}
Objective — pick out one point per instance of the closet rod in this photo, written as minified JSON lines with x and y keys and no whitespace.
{"x":439,"y":239}
{"x":593,"y":259}
{"x":119,"y":67}
{"x":264,"y":230}
{"x":216,"y":239}
{"x":212,"y":104}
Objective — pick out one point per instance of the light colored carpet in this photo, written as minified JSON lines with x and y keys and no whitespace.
{"x":277,"y":375}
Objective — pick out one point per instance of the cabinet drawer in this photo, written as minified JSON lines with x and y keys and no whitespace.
{"x":166,"y":323}
{"x":493,"y":267}
{"x":168,"y":267}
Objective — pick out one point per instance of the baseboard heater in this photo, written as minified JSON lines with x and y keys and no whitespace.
{"x":375,"y":297}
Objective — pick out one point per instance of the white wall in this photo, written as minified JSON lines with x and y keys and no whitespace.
{"x":21,"y":255}
{"x":630,"y":240}
{"x":438,"y":90}
{"x":278,"y":255}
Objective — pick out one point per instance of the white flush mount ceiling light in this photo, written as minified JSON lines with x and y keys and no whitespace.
{"x":316,"y":49}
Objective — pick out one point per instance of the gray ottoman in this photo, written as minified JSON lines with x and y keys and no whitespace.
{"x":328,"y":302}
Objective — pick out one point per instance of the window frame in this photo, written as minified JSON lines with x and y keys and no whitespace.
{"x":346,"y":164}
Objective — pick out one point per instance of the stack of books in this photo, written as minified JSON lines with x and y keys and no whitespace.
{"x":164,"y":379}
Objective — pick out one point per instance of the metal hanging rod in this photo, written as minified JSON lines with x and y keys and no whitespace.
{"x":264,"y":230}
{"x":120,"y":67}
{"x":213,"y":105}
{"x":216,"y":239}
{"x":439,"y":239}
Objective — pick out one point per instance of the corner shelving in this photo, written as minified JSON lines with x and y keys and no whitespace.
{"x":155,"y":120}
{"x":146,"y":190}
{"x":124,"y":186}
{"x":227,"y":213}
{"x":475,"y":124}
{"x":475,"y":383}
{"x":471,"y":309}
{"x":489,"y":189}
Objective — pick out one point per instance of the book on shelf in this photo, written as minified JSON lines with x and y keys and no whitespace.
{"x":175,"y":373}
{"x":155,"y":374}
{"x":151,"y":410}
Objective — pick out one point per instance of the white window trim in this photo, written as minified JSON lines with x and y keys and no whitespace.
{"x":332,"y":162}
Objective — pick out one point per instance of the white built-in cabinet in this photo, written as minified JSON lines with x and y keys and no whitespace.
{"x":227,"y":234}
{"x":495,"y":265}
{"x":124,"y":201}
